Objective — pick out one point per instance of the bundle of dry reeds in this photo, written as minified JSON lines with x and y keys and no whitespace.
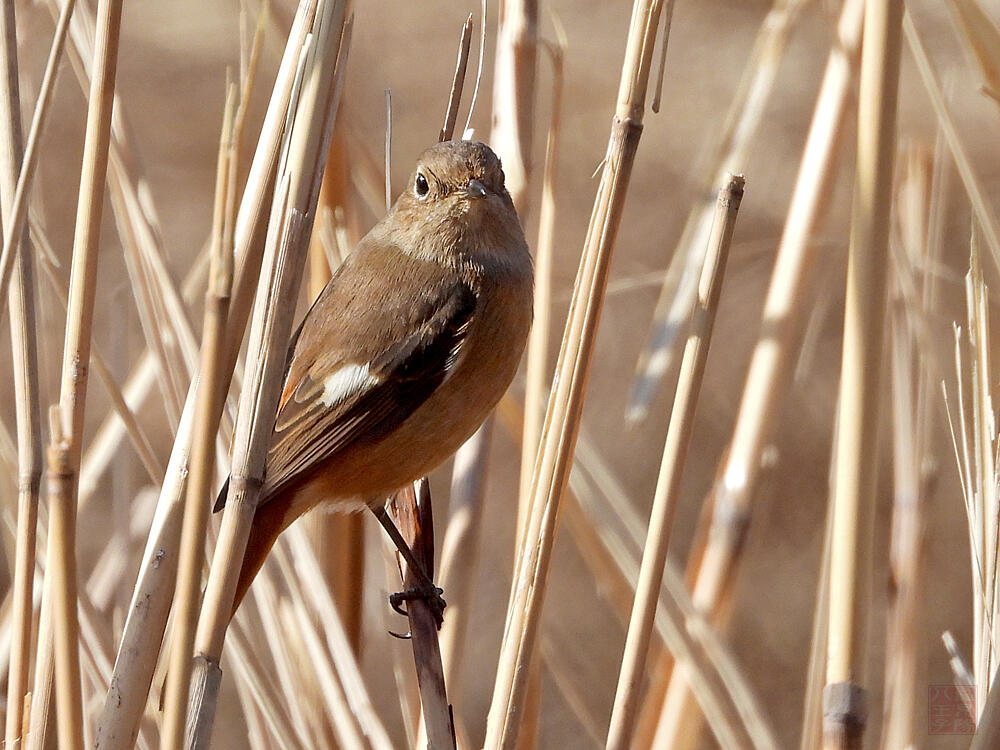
{"x":768,"y":554}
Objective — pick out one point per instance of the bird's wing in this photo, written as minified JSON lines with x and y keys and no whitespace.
{"x":330,"y":407}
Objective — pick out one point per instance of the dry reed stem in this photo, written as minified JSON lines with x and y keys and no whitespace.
{"x":970,"y":473}
{"x":514,"y":95}
{"x":562,"y":419}
{"x":67,"y":422}
{"x":460,"y":549}
{"x":61,"y":554}
{"x":410,"y":509}
{"x":156,"y":297}
{"x":458,"y":82}
{"x":980,"y":486}
{"x":536,"y":369}
{"x":42,"y":718}
{"x":24,"y":351}
{"x":95,"y":461}
{"x":147,"y":617}
{"x":912,"y":422}
{"x":207,"y":410}
{"x":811,"y":734}
{"x":14,"y":223}
{"x":667,"y":495}
{"x":286,"y":236}
{"x":387,"y":151}
{"x":982,"y":482}
{"x":467,"y":131}
{"x":981,"y":207}
{"x":307,"y":145}
{"x":729,"y":155}
{"x":856,"y":447}
{"x":724,"y":523}
{"x":171,"y":370}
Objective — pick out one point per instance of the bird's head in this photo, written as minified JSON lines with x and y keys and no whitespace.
{"x":457,"y":179}
{"x":455,"y":202}
{"x":457,"y":172}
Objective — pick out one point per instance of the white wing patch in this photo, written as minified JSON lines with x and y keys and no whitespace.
{"x":346,"y":382}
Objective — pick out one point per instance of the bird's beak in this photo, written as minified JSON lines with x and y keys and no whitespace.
{"x":475,"y":189}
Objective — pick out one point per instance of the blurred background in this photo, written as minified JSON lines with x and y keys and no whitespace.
{"x":172,"y":70}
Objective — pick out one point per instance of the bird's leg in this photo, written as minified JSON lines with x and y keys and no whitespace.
{"x":425,"y":589}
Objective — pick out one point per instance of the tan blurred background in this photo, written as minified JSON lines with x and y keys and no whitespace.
{"x":172,"y":70}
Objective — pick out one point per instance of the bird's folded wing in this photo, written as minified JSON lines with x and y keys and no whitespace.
{"x":333,"y":407}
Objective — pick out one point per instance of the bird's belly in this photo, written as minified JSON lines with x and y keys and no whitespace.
{"x":373,"y":470}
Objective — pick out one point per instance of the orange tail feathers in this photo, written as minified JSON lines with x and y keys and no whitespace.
{"x":268,"y":522}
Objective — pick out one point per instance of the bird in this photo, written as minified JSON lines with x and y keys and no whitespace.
{"x":404,"y":353}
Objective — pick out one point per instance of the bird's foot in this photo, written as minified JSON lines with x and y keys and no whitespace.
{"x":428,"y":593}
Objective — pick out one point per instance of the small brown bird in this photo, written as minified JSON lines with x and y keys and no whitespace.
{"x":405,"y":352}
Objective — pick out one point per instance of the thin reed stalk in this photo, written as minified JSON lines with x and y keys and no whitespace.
{"x":207,"y":411}
{"x":67,"y":422}
{"x":912,"y":422}
{"x":458,"y":82}
{"x":15,"y":222}
{"x":147,"y":617}
{"x":460,"y":549}
{"x":164,"y":318}
{"x":665,"y":500}
{"x":536,"y":369}
{"x":514,"y":95}
{"x":24,"y":350}
{"x":856,"y":446}
{"x":42,"y":715}
{"x":308,"y":139}
{"x":723,"y":525}
{"x":811,"y":733}
{"x":562,"y":419}
{"x":411,"y":512}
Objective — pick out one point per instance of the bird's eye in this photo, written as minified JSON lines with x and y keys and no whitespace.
{"x":420,"y":186}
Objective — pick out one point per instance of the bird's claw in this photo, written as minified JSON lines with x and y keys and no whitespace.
{"x":429,"y":594}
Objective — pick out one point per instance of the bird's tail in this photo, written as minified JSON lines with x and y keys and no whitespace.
{"x":268,"y":522}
